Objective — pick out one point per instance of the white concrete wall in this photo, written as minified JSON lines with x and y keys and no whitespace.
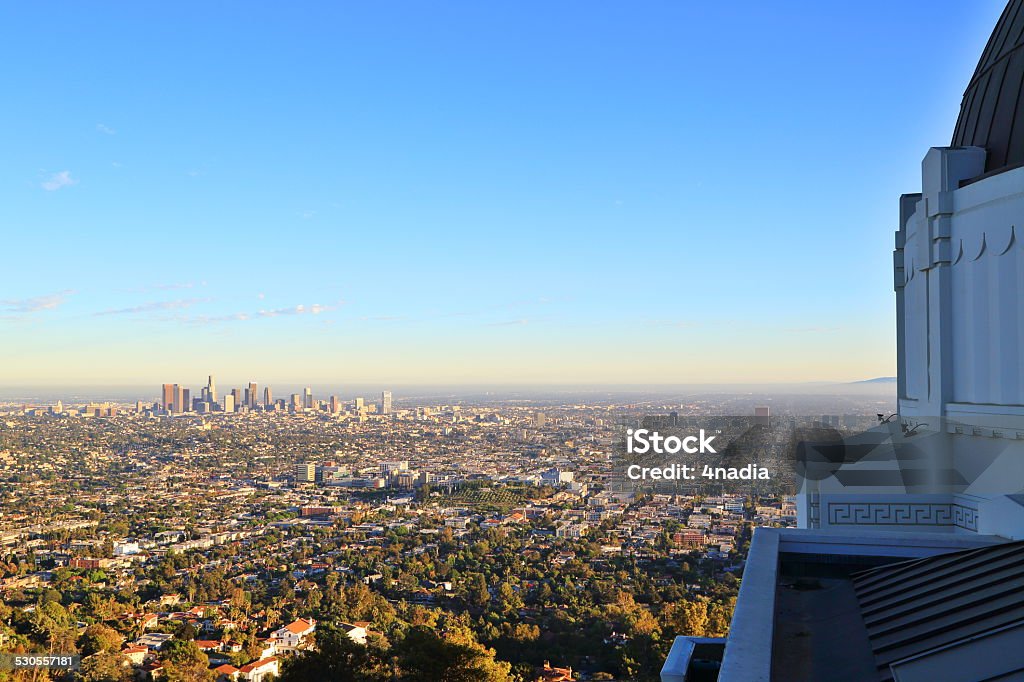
{"x":959,"y":280}
{"x":959,"y":285}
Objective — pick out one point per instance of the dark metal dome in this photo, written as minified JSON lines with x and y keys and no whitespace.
{"x":992,"y":111}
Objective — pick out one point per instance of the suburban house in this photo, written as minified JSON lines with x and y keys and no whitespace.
{"x":135,"y":654}
{"x":291,"y":635}
{"x":260,"y":670}
{"x":356,"y":631}
{"x":227,"y":673}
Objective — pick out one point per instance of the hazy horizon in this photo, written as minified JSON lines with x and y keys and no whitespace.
{"x":493,"y":391}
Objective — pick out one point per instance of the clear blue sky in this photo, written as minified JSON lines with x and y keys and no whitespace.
{"x":584,"y":192}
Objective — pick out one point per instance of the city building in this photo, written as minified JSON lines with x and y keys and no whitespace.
{"x":762,"y":415}
{"x":385,"y":403}
{"x":389,"y":468}
{"x":305,"y":473}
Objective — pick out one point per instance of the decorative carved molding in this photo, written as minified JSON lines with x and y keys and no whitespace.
{"x":890,"y":513}
{"x":965,"y":517}
{"x":902,"y":514}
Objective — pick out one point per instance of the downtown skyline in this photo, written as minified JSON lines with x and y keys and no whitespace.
{"x":464,"y":195}
{"x":178,"y":399}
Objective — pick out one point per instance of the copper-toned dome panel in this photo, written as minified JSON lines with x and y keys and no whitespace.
{"x":992,"y":111}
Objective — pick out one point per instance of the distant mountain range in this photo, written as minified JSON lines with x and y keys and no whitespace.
{"x":877,"y":380}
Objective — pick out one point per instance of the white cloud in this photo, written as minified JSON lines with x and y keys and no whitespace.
{"x":509,"y":323}
{"x":36,"y":303}
{"x":154,"y":306}
{"x":300,"y":309}
{"x":58,"y":180}
{"x":106,"y":130}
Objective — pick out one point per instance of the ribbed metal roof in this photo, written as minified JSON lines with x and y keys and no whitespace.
{"x":915,"y":606}
{"x":992,"y":111}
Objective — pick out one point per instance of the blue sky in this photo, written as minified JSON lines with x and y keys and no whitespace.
{"x":572,"y":192}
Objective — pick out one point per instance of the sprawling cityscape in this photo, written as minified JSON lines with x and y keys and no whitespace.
{"x":224,"y":537}
{"x":512,"y":342}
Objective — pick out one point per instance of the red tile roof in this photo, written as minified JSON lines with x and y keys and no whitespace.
{"x":246,"y":669}
{"x":300,"y":626}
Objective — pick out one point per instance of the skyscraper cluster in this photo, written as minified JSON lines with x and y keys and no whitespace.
{"x":176,"y":399}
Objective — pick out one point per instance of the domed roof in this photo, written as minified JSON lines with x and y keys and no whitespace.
{"x":992,"y":111}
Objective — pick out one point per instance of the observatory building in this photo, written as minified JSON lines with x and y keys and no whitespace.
{"x":909,"y":561}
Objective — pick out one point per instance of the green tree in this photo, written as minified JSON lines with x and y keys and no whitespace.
{"x":182,"y":651}
{"x":477,"y":591}
{"x":719,"y":616}
{"x":688,"y":618}
{"x":336,"y":659}
{"x":105,"y":666}
{"x":425,"y":656}
{"x":187,"y":672}
{"x":508,"y":599}
{"x":98,"y":638}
